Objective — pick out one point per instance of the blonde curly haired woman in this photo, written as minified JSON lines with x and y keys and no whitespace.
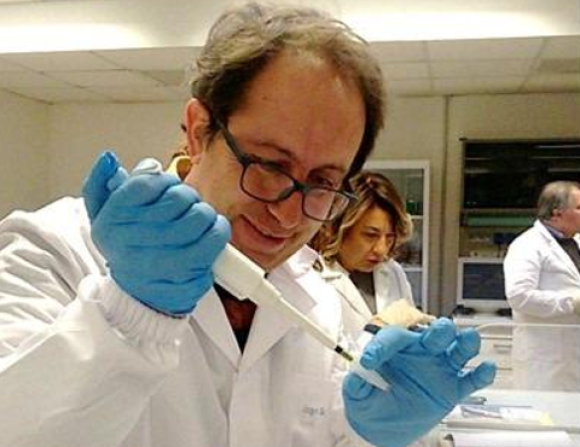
{"x":357,"y":256}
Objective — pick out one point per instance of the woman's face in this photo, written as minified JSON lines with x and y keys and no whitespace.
{"x":368,"y":242}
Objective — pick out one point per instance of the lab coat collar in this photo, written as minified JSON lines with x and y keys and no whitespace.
{"x":268,"y":327}
{"x":333,"y":270}
{"x":382,"y":278}
{"x":553,"y":231}
{"x":557,"y":248}
{"x":339,"y":277}
{"x":300,"y":262}
{"x":212,"y":319}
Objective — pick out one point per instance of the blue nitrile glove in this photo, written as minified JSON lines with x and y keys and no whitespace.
{"x":159,"y":239}
{"x":425,"y":371}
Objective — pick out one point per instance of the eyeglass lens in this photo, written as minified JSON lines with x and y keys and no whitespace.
{"x":269,"y":184}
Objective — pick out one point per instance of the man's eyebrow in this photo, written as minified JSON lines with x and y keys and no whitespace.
{"x":292,"y":157}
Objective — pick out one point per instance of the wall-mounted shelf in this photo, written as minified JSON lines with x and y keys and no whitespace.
{"x":495,"y":220}
{"x":501,"y":181}
{"x":411,"y":178}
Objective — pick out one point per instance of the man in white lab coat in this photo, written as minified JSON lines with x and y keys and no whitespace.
{"x":111,"y":332}
{"x":542,"y":283}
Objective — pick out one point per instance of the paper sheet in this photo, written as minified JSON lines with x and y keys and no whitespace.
{"x":512,"y":439}
{"x":498,"y":416}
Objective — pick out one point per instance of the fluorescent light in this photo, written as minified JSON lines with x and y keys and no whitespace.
{"x":448,"y":25}
{"x":57,"y":37}
{"x":26,"y":1}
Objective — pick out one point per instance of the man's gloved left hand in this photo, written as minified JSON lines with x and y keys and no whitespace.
{"x":425,"y":371}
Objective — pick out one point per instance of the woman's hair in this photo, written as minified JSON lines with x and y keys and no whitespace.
{"x":372,"y":190}
{"x":555,"y":196}
{"x":245,"y":39}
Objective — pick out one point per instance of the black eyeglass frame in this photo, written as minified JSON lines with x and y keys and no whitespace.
{"x":247,"y":160}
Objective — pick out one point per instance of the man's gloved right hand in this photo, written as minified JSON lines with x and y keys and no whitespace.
{"x":159,"y":239}
{"x":427,"y":379}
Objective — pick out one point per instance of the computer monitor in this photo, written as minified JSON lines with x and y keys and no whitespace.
{"x":480,"y":284}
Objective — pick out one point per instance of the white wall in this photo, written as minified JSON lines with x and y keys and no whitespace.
{"x":497,"y":116}
{"x":78,"y":133}
{"x":23,"y":153}
{"x":53,"y":147}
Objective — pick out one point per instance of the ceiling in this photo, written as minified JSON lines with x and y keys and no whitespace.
{"x":548,"y":62}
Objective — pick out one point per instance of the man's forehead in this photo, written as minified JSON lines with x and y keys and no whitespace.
{"x":326,"y":161}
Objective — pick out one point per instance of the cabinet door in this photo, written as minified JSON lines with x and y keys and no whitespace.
{"x":411,"y":178}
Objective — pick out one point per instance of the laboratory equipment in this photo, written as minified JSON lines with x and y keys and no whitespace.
{"x":480,"y":284}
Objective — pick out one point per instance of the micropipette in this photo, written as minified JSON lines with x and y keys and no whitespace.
{"x":244,"y":279}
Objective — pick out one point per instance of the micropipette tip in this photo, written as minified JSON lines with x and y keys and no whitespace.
{"x":370,"y":376}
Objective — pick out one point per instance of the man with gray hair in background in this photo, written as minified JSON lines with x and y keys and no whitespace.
{"x":542,"y":285}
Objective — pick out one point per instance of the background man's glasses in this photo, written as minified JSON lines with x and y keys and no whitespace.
{"x":265,"y":181}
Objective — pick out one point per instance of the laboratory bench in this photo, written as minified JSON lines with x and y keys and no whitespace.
{"x":563,"y":408}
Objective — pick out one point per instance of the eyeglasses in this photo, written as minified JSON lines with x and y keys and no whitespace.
{"x":266,"y":182}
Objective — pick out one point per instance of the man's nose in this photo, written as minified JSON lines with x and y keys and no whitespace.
{"x":288,"y":212}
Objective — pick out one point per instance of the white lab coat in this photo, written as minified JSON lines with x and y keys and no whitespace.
{"x":82,"y":364}
{"x":540,"y":282}
{"x":390,"y":282}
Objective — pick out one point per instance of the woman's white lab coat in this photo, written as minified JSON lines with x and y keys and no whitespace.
{"x":83,"y":364}
{"x":390,"y":282}
{"x":540,"y":282}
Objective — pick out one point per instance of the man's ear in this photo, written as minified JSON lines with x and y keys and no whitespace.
{"x":196,"y":120}
{"x":557,"y":216}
